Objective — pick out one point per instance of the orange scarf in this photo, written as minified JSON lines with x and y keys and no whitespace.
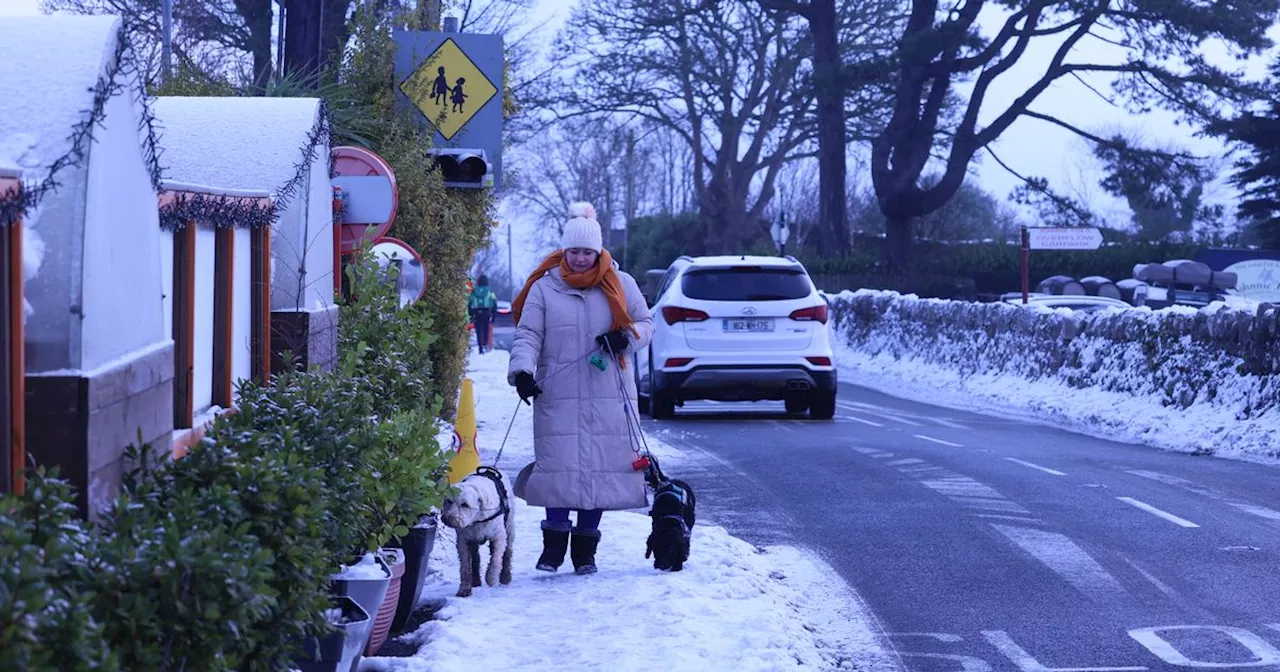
{"x":601,"y":275}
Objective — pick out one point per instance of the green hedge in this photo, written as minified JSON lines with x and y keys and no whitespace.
{"x":221,"y":560}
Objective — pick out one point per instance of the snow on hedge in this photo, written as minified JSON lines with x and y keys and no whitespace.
{"x":1203,"y":380}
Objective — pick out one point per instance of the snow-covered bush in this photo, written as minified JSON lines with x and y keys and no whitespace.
{"x":1184,"y":357}
{"x":45,"y":618}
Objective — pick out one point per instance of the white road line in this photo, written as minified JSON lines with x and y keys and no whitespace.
{"x":909,"y":460}
{"x":1183,"y":522}
{"x":945,"y":443}
{"x":1062,"y":555}
{"x":881,"y":456}
{"x":1046,"y":470}
{"x":950,"y":423}
{"x":866,"y":450}
{"x":1160,"y":585}
{"x":1016,"y":519}
{"x":1260,"y":511}
{"x":865,"y":422}
{"x":879,"y":412}
{"x":1025,"y":661}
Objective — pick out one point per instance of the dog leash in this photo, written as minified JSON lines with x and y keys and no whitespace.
{"x":563,"y":367}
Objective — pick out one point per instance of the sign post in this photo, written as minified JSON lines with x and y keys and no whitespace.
{"x":780,"y":233}
{"x":1054,"y":238}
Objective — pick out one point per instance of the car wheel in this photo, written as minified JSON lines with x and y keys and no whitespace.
{"x":823,"y":406}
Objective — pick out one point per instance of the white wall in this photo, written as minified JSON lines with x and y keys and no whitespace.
{"x":305,"y":232}
{"x":202,"y":376}
{"x":122,"y":285}
{"x":166,"y":280}
{"x":242,"y":309}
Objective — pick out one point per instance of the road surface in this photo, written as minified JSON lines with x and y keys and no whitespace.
{"x":985,"y":543}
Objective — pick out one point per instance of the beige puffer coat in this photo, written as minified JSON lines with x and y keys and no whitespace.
{"x":582,"y":448}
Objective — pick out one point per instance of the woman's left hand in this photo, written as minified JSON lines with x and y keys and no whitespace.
{"x":614,"y":342}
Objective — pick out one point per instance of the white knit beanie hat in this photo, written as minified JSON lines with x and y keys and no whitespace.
{"x":582,"y":229}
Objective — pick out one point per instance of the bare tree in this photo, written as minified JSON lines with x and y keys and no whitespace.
{"x":724,"y":76}
{"x":940,"y":45}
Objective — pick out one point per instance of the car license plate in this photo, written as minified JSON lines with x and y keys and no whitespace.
{"x":748,"y":326}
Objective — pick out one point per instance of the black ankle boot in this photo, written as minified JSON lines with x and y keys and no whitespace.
{"x":554,"y":545}
{"x":583,"y":550}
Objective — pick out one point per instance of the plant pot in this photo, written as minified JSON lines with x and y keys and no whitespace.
{"x":417,"y":547}
{"x":337,"y":651}
{"x":369,"y":593}
{"x":387,"y":610}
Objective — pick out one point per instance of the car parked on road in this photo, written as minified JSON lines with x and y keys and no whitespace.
{"x":738,"y":328}
{"x":1077,"y":302}
{"x":504,"y":327}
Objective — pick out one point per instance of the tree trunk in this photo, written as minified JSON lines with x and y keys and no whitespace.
{"x":898,"y":241}
{"x":829,"y":93}
{"x":302,"y":37}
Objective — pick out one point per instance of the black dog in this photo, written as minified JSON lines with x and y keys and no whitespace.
{"x":673,"y":515}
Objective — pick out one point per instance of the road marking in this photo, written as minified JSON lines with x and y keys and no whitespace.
{"x":945,"y":443}
{"x":866,"y":450}
{"x":1027,"y":663}
{"x":878,"y":411}
{"x":1160,"y":585}
{"x":909,"y":460}
{"x":1016,"y":519}
{"x":1264,"y":654}
{"x":951,"y":423}
{"x":1046,"y":470}
{"x":990,"y":504}
{"x":1260,"y":511}
{"x":1183,"y":522}
{"x":881,"y":456}
{"x":865,"y":422}
{"x":1062,"y":555}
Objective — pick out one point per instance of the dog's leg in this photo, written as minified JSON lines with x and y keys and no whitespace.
{"x":465,"y":557}
{"x":497,"y":549}
{"x":508,"y":551}
{"x":475,"y":563}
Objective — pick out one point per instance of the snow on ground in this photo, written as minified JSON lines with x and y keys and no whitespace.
{"x":1095,"y":412}
{"x":734,"y":606}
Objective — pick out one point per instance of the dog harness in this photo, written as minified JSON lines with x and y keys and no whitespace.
{"x":493,"y":475}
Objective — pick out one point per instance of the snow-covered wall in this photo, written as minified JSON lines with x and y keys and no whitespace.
{"x":1206,"y":380}
{"x":122,"y":306}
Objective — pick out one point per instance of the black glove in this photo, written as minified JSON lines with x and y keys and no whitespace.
{"x":526,"y":388}
{"x":613,"y":342}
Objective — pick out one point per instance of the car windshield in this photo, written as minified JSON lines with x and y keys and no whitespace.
{"x":746,"y":283}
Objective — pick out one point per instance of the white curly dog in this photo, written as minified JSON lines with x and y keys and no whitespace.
{"x":482,"y":512}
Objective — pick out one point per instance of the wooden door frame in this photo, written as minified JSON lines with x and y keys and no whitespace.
{"x":15,"y":340}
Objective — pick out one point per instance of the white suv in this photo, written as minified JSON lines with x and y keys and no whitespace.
{"x":740,"y":328}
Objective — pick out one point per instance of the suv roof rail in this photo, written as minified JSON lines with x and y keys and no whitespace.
{"x":684,"y":257}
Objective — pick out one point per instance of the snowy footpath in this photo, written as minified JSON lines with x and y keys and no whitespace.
{"x":734,"y":607}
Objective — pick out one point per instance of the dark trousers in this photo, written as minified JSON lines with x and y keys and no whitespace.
{"x":587,"y":520}
{"x":482,"y":329}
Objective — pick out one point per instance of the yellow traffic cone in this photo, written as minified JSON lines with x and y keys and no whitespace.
{"x":467,"y":459}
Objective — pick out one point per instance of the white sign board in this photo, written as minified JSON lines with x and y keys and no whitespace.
{"x":1065,"y":238}
{"x":368,"y":199}
{"x":1257,"y":279}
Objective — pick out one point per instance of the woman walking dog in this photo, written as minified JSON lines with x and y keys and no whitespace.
{"x":575,"y":305}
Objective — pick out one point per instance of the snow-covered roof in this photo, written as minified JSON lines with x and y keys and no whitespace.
{"x":10,"y":171}
{"x":51,"y":64}
{"x":174,"y":185}
{"x":235,"y":143}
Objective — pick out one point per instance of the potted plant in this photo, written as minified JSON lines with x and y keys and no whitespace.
{"x":417,"y":545}
{"x":366,"y":583}
{"x":338,"y":651}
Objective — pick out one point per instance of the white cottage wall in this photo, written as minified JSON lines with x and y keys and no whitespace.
{"x":287,"y":253}
{"x":122,"y":285}
{"x":319,"y":294}
{"x":202,"y":374}
{"x":242,"y":309}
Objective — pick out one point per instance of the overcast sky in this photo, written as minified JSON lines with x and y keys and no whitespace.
{"x":1030,"y":146}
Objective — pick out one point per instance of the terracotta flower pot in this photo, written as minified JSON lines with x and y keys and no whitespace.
{"x":387,"y":610}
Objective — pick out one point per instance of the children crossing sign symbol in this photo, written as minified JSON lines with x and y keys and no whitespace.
{"x":448,"y":88}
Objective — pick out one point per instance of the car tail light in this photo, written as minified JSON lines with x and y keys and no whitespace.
{"x":503,"y":311}
{"x":676,"y":362}
{"x":817,"y":313}
{"x":673,"y":314}
{"x":819,"y":361}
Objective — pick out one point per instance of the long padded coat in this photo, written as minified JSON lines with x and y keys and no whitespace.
{"x":582,"y":448}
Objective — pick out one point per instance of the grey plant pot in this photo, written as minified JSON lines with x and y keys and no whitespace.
{"x":417,"y":547}
{"x":337,"y":651}
{"x":368,"y":593}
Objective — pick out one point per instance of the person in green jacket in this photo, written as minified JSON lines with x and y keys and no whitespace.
{"x":482,"y":304}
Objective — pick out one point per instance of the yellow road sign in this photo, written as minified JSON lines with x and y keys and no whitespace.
{"x":448,"y":88}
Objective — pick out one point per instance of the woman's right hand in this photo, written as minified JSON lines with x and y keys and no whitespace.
{"x":526,"y":387}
